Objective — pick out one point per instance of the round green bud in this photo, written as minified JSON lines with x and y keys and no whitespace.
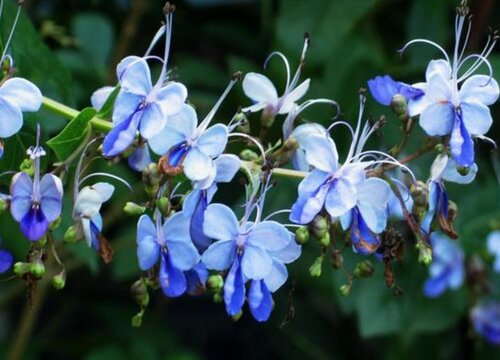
{"x":345,"y":289}
{"x":439,"y":148}
{"x":59,"y":281}
{"x":133,"y":209}
{"x":419,"y":192}
{"x":137,"y":320}
{"x":163,"y":204}
{"x":70,"y":236}
{"x":319,"y":226}
{"x":28,"y":167}
{"x":215,"y":282}
{"x":4,"y":205}
{"x":248,"y":155}
{"x":21,"y":268}
{"x":139,"y":292}
{"x":37,"y":268}
{"x":218,"y":298}
{"x":243,"y":123}
{"x":364,"y":269}
{"x":40,"y":243}
{"x":267,"y":119}
{"x":337,"y":259}
{"x":302,"y":235}
{"x":55,"y":224}
{"x":424,"y":253}
{"x":315,"y":269}
{"x":399,"y":106}
{"x":325,"y":239}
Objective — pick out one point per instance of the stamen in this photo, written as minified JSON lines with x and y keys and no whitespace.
{"x":78,"y":171}
{"x":105,"y":175}
{"x":19,"y":3}
{"x":168,"y":10}
{"x":285,"y":61}
{"x":425,"y":41}
{"x":250,"y":138}
{"x":157,"y":37}
{"x":352,"y":148}
{"x":284,"y":211}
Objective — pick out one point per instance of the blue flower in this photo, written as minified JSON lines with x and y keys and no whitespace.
{"x":486,"y":320}
{"x":140,"y":158}
{"x":493,"y":244}
{"x":253,"y":252}
{"x":35,"y":202}
{"x":264,"y":95}
{"x":171,"y":243}
{"x":140,"y":105}
{"x":6,"y":260}
{"x":196,"y":279}
{"x":383,"y":89}
{"x":196,"y":202}
{"x":456,"y":101}
{"x":86,"y":211}
{"x":189,"y":148}
{"x":447,"y":268}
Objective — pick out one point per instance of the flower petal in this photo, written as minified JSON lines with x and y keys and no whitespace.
{"x":126,"y":104}
{"x":321,"y":153}
{"x":136,"y":77}
{"x":255,"y":262}
{"x":21,"y":93}
{"x":100,"y":96}
{"x":148,"y":249}
{"x":21,"y":191}
{"x":6,"y":260}
{"x":268,"y":235}
{"x":51,"y":191}
{"x":461,"y":145}
{"x":34,"y":224}
{"x":289,"y":100}
{"x":219,"y":255}
{"x":383,"y":88}
{"x":308,"y":205}
{"x":227,"y":166}
{"x":172,"y":97}
{"x":172,"y":280}
{"x":341,"y":198}
{"x":260,"y":301}
{"x":437,"y":119}
{"x":277,"y":277}
{"x":288,"y":254}
{"x":476,"y":117}
{"x":220,"y":223}
{"x":234,"y":289}
{"x":374,"y":191}
{"x":12,"y":118}
{"x":121,"y":136}
{"x":441,"y":67}
{"x":153,"y":120}
{"x":259,"y":88}
{"x":197,"y":165}
{"x":213,"y":140}
{"x":183,"y":254}
{"x":140,"y":158}
{"x":313,"y":181}
{"x":479,"y":88}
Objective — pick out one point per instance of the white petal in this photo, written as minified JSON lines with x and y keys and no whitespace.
{"x":440,"y":66}
{"x":197,"y":165}
{"x":437,"y":119}
{"x":22,"y":93}
{"x":291,"y":98}
{"x":476,"y":117}
{"x":11,"y":119}
{"x":321,"y":153}
{"x":480,"y":88}
{"x":100,"y":96}
{"x":259,"y":88}
{"x":220,"y":223}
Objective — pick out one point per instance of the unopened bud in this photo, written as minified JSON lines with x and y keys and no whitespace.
{"x":325,"y":239}
{"x":248,"y":155}
{"x":243,"y":123}
{"x":302,"y":235}
{"x":139,"y":292}
{"x":364,"y":269}
{"x":151,"y":176}
{"x":399,"y":106}
{"x":452,"y":211}
{"x":291,"y":144}
{"x":4,"y":204}
{"x":163,"y":204}
{"x":439,"y":148}
{"x":70,"y":236}
{"x":419,"y":192}
{"x":218,"y":298}
{"x":21,"y":268}
{"x":315,"y":269}
{"x":463,"y":170}
{"x":37,"y":268}
{"x":345,"y":289}
{"x":319,"y":226}
{"x":40,"y":243}
{"x":133,"y":209}
{"x":137,"y":320}
{"x":28,"y":167}
{"x":267,"y":118}
{"x":59,"y":281}
{"x":55,"y":224}
{"x":237,"y":316}
{"x":215,"y":282}
{"x":337,"y":259}
{"x":424,"y":253}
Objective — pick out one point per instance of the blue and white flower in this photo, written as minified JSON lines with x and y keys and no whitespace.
{"x":493,"y":245}
{"x":486,"y":320}
{"x":383,"y":89}
{"x":447,"y":268}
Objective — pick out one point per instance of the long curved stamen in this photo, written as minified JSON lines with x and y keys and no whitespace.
{"x":482,"y":60}
{"x":274,"y":213}
{"x":35,"y":154}
{"x":1,"y":8}
{"x":365,"y":135}
{"x":204,"y":124}
{"x":168,"y":9}
{"x":391,"y":161}
{"x":78,"y":171}
{"x":292,"y":115}
{"x":285,"y":61}
{"x":487,"y":139}
{"x":296,"y":77}
{"x":105,"y":175}
{"x":352,"y":148}
{"x":250,"y":138}
{"x":346,"y":124}
{"x":157,"y":37}
{"x":425,"y":41}
{"x":466,"y":41}
{"x":11,"y":31}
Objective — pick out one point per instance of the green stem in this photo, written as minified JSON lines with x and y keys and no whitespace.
{"x":69,"y":113}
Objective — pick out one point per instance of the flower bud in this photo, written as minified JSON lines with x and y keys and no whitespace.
{"x":55,"y":224}
{"x":302,"y":235}
{"x":319,"y":226}
{"x":4,"y":204}
{"x":439,"y":148}
{"x":139,"y":292}
{"x":163,"y":204}
{"x":218,"y":298}
{"x":133,"y":209}
{"x":267,"y":119}
{"x":243,"y":123}
{"x":337,"y":259}
{"x":325,"y":239}
{"x":137,"y":320}
{"x":70,"y":236}
{"x":424,"y":253}
{"x":399,"y":107}
{"x":345,"y":289}
{"x":364,"y":269}
{"x":315,"y":269}
{"x":151,"y":178}
{"x":21,"y":268}
{"x":40,"y":243}
{"x":37,"y":268}
{"x":237,"y":316}
{"x":463,"y":170}
{"x":59,"y":281}
{"x":248,"y":155}
{"x":452,"y":211}
{"x":28,"y":167}
{"x":419,"y":191}
{"x":215,"y":282}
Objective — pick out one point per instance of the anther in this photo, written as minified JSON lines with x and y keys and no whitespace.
{"x":168,"y":8}
{"x":237,"y":76}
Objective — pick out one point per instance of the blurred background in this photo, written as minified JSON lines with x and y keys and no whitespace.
{"x":70,"y":48}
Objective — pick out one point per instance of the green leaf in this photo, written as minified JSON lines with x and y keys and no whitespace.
{"x":107,"y":109}
{"x":72,"y":136}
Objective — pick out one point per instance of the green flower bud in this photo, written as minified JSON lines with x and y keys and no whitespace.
{"x":4,"y":205}
{"x":59,"y":281}
{"x":419,"y":192}
{"x":55,"y":224}
{"x":302,"y":235}
{"x":267,"y":119}
{"x":237,"y":316}
{"x":137,"y":320}
{"x":248,"y":155}
{"x":151,"y":176}
{"x":218,"y":298}
{"x":424,"y":253}
{"x":452,"y":211}
{"x":337,"y":259}
{"x":37,"y":268}
{"x":463,"y":170}
{"x":28,"y":167}
{"x":139,"y":292}
{"x":439,"y":148}
{"x":315,"y":269}
{"x":215,"y":282}
{"x":364,"y":269}
{"x":345,"y":289}
{"x":319,"y":226}
{"x":70,"y":236}
{"x":40,"y":243}
{"x":399,"y":106}
{"x":243,"y":123}
{"x":21,"y":268}
{"x":163,"y":205}
{"x":325,"y":239}
{"x":133,"y":209}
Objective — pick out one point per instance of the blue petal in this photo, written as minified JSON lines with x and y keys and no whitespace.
{"x":234,"y":289}
{"x":176,"y":228}
{"x":153,"y":120}
{"x":172,"y":97}
{"x":461,"y":145}
{"x":321,"y":153}
{"x":227,"y":166}
{"x":277,"y":277}
{"x":126,"y":104}
{"x":200,"y":240}
{"x":255,"y":262}
{"x":383,"y":88}
{"x":260,"y":301}
{"x":95,"y":232}
{"x":172,"y":280}
{"x":476,"y":117}
{"x":309,"y":205}
{"x":219,"y":255}
{"x":341,"y":197}
{"x":21,"y":191}
{"x":220,"y":222}
{"x":100,"y":96}
{"x":148,"y":249}
{"x":34,"y":224}
{"x":140,"y":158}
{"x":481,"y":88}
{"x":268,"y":235}
{"x":434,"y":287}
{"x":363,"y":240}
{"x":197,"y":165}
{"x":136,"y":77}
{"x":437,"y":119}
{"x":51,"y":192}
{"x":196,"y":279}
{"x":313,"y":181}
{"x":289,"y":253}
{"x":6,"y":260}
{"x":183,"y":254}
{"x":12,"y":119}
{"x":121,"y":136}
{"x":213,"y":140}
